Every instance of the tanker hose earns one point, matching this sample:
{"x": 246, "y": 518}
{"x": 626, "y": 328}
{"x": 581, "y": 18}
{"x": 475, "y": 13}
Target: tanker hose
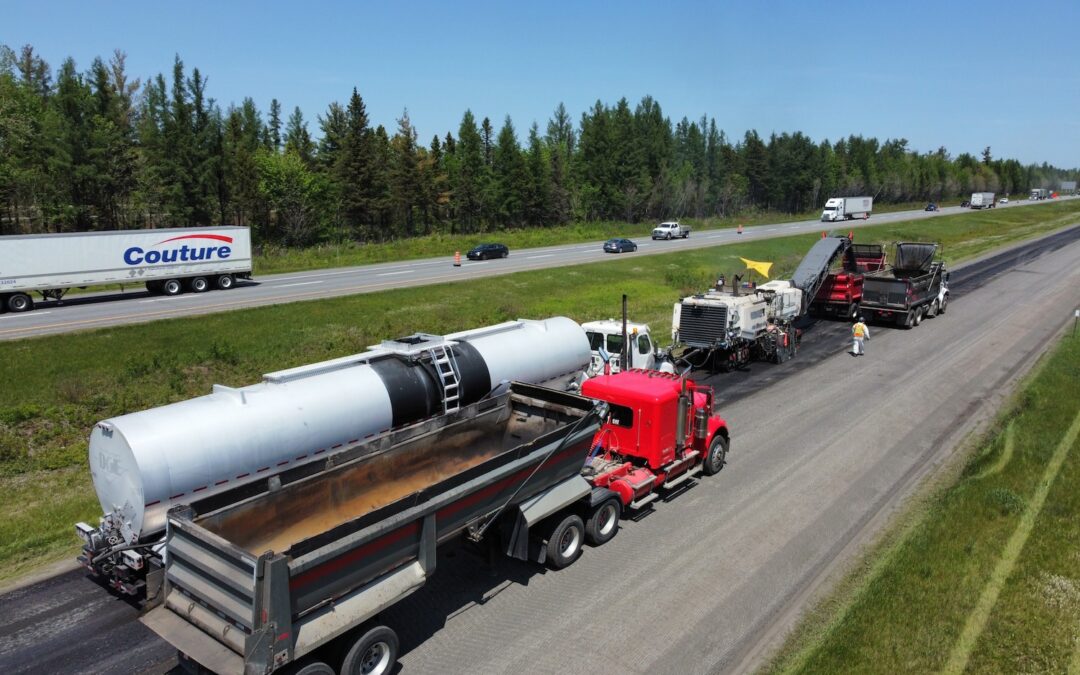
{"x": 117, "y": 549}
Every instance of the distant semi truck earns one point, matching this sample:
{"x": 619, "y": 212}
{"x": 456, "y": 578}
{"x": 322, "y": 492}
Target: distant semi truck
{"x": 846, "y": 208}
{"x": 1039, "y": 193}
{"x": 982, "y": 200}
{"x": 166, "y": 261}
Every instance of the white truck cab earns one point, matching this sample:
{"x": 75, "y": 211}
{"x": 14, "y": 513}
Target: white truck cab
{"x": 606, "y": 336}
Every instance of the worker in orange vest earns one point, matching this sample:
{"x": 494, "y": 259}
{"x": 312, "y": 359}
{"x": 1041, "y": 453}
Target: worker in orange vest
{"x": 859, "y": 333}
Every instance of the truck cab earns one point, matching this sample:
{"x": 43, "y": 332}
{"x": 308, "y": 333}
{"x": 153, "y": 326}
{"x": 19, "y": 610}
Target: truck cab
{"x": 606, "y": 338}
{"x": 660, "y": 431}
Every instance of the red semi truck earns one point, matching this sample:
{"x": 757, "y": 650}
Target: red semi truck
{"x": 295, "y": 576}
{"x": 841, "y": 292}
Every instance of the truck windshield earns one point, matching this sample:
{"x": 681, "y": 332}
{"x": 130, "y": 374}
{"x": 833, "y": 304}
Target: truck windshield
{"x": 830, "y": 208}
{"x": 596, "y": 340}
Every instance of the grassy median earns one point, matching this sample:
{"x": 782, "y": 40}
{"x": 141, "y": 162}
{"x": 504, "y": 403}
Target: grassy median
{"x": 56, "y": 388}
{"x": 985, "y": 575}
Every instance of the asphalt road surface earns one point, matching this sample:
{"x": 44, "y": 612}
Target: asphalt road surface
{"x": 823, "y": 448}
{"x": 136, "y": 306}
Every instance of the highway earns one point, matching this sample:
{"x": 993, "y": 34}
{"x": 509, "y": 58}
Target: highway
{"x": 825, "y": 447}
{"x": 100, "y": 310}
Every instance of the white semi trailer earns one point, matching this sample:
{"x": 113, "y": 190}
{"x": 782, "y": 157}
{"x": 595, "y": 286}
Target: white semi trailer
{"x": 167, "y": 261}
{"x": 982, "y": 200}
{"x": 846, "y": 208}
{"x": 221, "y": 448}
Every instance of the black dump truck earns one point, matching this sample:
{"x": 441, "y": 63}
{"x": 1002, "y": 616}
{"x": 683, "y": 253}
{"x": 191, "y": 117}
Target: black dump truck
{"x": 913, "y": 287}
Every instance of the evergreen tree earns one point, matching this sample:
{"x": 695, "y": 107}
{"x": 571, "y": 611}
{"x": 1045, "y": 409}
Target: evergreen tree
{"x": 273, "y": 127}
{"x": 355, "y": 170}
{"x": 468, "y": 176}
{"x": 298, "y": 140}
{"x": 511, "y": 181}
{"x": 406, "y": 189}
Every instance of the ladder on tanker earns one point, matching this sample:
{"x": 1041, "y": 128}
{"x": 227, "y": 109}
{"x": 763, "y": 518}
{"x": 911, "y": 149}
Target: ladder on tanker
{"x": 446, "y": 368}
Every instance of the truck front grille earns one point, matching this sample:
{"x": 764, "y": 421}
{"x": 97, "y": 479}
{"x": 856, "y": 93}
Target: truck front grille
{"x": 703, "y": 325}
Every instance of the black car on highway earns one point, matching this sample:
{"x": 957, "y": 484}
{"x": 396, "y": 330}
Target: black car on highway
{"x": 931, "y": 207}
{"x": 486, "y": 251}
{"x": 619, "y": 246}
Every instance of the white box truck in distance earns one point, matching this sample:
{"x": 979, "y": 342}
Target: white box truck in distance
{"x": 846, "y": 208}
{"x": 167, "y": 261}
{"x": 982, "y": 200}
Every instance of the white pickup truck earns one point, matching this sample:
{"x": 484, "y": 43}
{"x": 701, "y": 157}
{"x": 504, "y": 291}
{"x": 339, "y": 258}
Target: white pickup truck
{"x": 670, "y": 230}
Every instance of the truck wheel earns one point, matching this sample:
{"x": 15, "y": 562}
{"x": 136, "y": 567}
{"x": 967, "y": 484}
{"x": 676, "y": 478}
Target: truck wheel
{"x": 686, "y": 235}
{"x": 172, "y": 287}
{"x": 316, "y": 668}
{"x": 944, "y": 303}
{"x": 717, "y": 457}
{"x": 564, "y": 544}
{"x": 225, "y": 282}
{"x": 374, "y": 653}
{"x": 19, "y": 302}
{"x": 603, "y": 522}
{"x": 198, "y": 284}
{"x": 853, "y": 311}
{"x": 909, "y": 319}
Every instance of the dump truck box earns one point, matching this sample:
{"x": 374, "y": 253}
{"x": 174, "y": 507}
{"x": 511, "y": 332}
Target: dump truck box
{"x": 258, "y": 584}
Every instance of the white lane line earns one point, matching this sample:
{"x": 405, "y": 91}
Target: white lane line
{"x": 390, "y": 274}
{"x": 546, "y": 255}
{"x": 16, "y": 316}
{"x": 303, "y": 283}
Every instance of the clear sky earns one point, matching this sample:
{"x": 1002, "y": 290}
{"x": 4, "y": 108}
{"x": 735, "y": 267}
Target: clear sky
{"x": 960, "y": 74}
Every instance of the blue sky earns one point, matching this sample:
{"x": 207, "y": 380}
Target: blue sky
{"x": 960, "y": 74}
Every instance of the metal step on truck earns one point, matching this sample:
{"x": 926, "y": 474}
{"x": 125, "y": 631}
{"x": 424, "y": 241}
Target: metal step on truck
{"x": 913, "y": 287}
{"x": 295, "y": 576}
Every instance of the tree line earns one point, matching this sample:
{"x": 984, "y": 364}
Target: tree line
{"x": 99, "y": 150}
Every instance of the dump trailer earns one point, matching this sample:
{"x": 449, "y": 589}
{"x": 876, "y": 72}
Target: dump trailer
{"x": 225, "y": 444}
{"x": 295, "y": 575}
{"x": 166, "y": 261}
{"x": 268, "y": 581}
{"x": 840, "y": 294}
{"x": 913, "y": 287}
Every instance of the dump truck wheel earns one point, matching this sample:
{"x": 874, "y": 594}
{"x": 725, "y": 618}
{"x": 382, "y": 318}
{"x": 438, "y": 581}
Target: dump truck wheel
{"x": 944, "y": 303}
{"x": 564, "y": 544}
{"x": 603, "y": 522}
{"x": 316, "y": 668}
{"x": 374, "y": 653}
{"x": 717, "y": 457}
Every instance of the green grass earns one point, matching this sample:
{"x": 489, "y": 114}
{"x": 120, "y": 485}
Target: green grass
{"x": 983, "y": 575}
{"x": 56, "y": 388}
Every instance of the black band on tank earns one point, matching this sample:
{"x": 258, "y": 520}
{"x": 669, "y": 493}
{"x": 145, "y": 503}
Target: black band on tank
{"x": 412, "y": 392}
{"x": 416, "y": 392}
{"x": 473, "y": 371}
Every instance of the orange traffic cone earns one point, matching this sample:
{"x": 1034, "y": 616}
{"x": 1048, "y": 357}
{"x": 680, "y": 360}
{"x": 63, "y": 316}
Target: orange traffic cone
{"x": 740, "y": 228}
{"x": 851, "y": 235}
{"x": 822, "y": 235}
{"x": 457, "y": 258}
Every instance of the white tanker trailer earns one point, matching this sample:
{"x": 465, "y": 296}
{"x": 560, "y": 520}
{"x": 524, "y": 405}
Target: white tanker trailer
{"x": 234, "y": 443}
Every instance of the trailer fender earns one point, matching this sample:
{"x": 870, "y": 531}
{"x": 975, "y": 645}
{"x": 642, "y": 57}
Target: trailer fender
{"x": 536, "y": 509}
{"x": 600, "y": 495}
